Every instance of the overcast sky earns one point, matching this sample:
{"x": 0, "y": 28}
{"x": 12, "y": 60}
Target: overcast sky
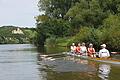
{"x": 18, "y": 12}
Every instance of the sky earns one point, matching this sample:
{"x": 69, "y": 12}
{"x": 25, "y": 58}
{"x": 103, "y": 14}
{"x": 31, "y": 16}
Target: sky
{"x": 18, "y": 12}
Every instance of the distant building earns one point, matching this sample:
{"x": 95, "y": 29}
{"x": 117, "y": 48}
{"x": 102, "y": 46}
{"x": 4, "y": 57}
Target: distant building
{"x": 17, "y": 31}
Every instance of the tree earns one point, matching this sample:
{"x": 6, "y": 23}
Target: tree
{"x": 56, "y": 8}
{"x": 86, "y": 13}
{"x": 111, "y": 32}
{"x": 82, "y": 20}
{"x": 53, "y": 22}
{"x": 110, "y": 6}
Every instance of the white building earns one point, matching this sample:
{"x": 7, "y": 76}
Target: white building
{"x": 17, "y": 31}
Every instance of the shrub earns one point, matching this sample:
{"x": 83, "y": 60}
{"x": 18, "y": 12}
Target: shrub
{"x": 51, "y": 42}
{"x": 111, "y": 33}
{"x": 87, "y": 35}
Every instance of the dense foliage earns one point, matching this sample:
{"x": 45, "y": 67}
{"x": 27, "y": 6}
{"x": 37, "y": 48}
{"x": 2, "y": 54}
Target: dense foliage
{"x": 90, "y": 21}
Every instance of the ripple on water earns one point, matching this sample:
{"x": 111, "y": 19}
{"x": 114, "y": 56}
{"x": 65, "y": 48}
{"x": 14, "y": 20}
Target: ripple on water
{"x": 61, "y": 65}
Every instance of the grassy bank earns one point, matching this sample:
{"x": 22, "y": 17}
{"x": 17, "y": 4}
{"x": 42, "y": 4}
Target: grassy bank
{"x": 63, "y": 42}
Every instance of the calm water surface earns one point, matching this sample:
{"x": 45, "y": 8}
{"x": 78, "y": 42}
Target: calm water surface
{"x": 24, "y": 62}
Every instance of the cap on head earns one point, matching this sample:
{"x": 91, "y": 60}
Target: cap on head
{"x": 83, "y": 44}
{"x": 90, "y": 44}
{"x": 103, "y": 45}
{"x": 73, "y": 44}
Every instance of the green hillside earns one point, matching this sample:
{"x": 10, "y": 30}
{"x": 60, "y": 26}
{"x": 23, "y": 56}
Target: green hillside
{"x": 7, "y": 35}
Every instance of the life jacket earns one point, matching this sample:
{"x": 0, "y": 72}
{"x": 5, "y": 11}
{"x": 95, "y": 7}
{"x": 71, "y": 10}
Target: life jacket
{"x": 78, "y": 49}
{"x": 91, "y": 50}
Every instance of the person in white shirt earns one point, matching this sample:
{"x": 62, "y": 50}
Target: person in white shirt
{"x": 73, "y": 48}
{"x": 83, "y": 49}
{"x": 104, "y": 53}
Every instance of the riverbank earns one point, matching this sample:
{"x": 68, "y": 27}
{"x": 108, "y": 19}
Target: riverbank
{"x": 97, "y": 36}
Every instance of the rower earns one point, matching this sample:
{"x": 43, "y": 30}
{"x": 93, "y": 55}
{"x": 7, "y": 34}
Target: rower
{"x": 73, "y": 48}
{"x": 91, "y": 51}
{"x": 78, "y": 49}
{"x": 83, "y": 50}
{"x": 104, "y": 53}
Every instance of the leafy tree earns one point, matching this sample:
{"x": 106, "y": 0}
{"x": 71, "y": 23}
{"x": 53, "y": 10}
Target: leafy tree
{"x": 86, "y": 13}
{"x": 110, "y": 6}
{"x": 56, "y": 8}
{"x": 95, "y": 21}
{"x": 111, "y": 32}
{"x": 53, "y": 21}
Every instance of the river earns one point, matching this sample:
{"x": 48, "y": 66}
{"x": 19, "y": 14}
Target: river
{"x": 24, "y": 62}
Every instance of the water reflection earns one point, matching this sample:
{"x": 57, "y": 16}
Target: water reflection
{"x": 51, "y": 50}
{"x": 18, "y": 62}
{"x": 59, "y": 67}
{"x": 45, "y": 58}
{"x": 23, "y": 62}
{"x": 104, "y": 70}
{"x": 68, "y": 67}
{"x": 76, "y": 60}
{"x": 67, "y": 64}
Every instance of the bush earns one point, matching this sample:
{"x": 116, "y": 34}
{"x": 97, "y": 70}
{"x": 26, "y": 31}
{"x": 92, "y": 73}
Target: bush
{"x": 87, "y": 35}
{"x": 51, "y": 42}
{"x": 110, "y": 33}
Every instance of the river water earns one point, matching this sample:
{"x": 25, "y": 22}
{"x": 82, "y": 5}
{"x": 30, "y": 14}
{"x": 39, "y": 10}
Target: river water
{"x": 24, "y": 62}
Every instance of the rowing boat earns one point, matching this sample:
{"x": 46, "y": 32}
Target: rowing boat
{"x": 105, "y": 60}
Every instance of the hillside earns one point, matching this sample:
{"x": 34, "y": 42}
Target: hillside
{"x": 16, "y": 35}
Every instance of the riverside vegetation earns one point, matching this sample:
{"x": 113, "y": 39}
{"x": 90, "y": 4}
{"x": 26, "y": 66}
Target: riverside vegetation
{"x": 89, "y": 21}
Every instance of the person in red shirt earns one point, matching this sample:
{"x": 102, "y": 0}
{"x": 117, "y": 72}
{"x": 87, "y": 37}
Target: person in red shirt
{"x": 91, "y": 51}
{"x": 78, "y": 49}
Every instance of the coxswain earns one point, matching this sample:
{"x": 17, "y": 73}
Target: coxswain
{"x": 104, "y": 53}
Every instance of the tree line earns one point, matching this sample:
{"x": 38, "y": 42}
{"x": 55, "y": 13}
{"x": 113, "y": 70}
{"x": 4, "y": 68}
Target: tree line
{"x": 90, "y": 21}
